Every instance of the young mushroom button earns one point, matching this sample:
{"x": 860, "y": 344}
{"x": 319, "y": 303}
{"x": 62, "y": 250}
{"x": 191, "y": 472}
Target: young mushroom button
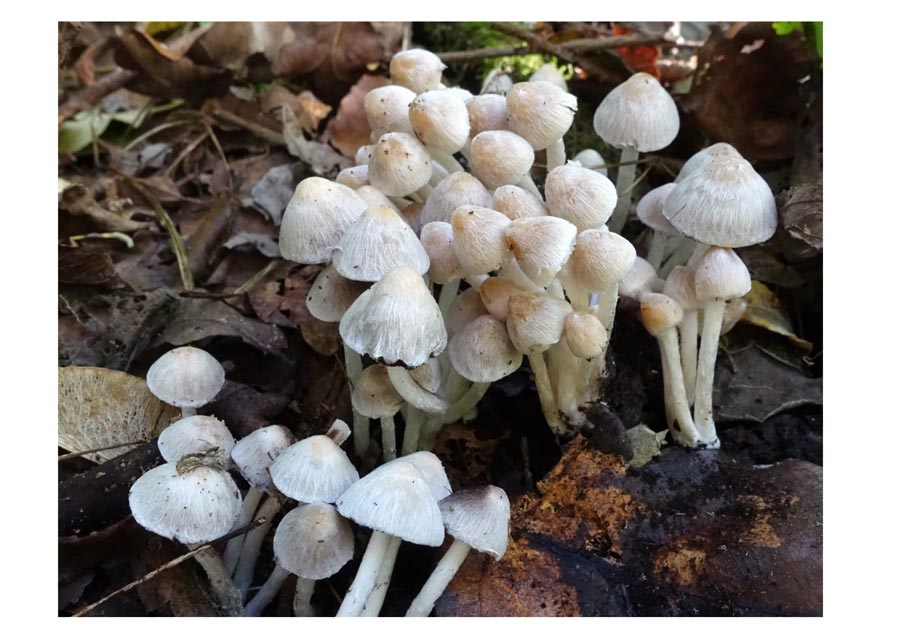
{"x": 186, "y": 377}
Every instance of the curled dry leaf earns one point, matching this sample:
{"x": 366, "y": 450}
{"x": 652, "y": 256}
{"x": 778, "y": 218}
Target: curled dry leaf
{"x": 78, "y": 200}
{"x": 765, "y": 310}
{"x": 801, "y": 210}
{"x": 349, "y": 129}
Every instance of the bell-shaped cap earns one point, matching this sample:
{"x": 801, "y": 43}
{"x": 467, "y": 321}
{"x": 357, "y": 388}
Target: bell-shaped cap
{"x": 549, "y": 73}
{"x": 432, "y": 470}
{"x": 581, "y": 196}
{"x": 186, "y": 377}
{"x": 540, "y": 112}
{"x": 650, "y": 210}
{"x": 429, "y": 375}
{"x": 354, "y": 176}
{"x": 364, "y": 154}
{"x": 374, "y": 197}
{"x": 255, "y": 453}
{"x": 395, "y": 499}
{"x": 487, "y": 112}
{"x": 721, "y": 274}
{"x": 638, "y": 113}
{"x": 479, "y": 238}
{"x": 536, "y": 321}
{"x": 680, "y": 287}
{"x": 478, "y": 517}
{"x": 591, "y": 159}
{"x": 195, "y": 506}
{"x": 702, "y": 157}
{"x": 440, "y": 120}
{"x": 638, "y": 280}
{"x": 482, "y": 351}
{"x": 495, "y": 293}
{"x": 500, "y": 157}
{"x": 196, "y": 434}
{"x": 456, "y": 190}
{"x": 417, "y": 69}
{"x": 379, "y": 241}
{"x": 313, "y": 470}
{"x": 515, "y": 202}
{"x": 313, "y": 541}
{"x": 400, "y": 164}
{"x": 374, "y": 396}
{"x": 437, "y": 238}
{"x": 724, "y": 203}
{"x": 396, "y": 321}
{"x": 660, "y": 313}
{"x": 600, "y": 259}
{"x": 316, "y": 217}
{"x": 542, "y": 245}
{"x": 387, "y": 109}
{"x": 331, "y": 295}
{"x": 338, "y": 432}
{"x": 585, "y": 335}
{"x": 465, "y": 308}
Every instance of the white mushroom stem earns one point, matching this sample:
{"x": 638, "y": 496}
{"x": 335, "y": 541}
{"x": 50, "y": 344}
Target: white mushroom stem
{"x": 233, "y": 548}
{"x": 303, "y": 597}
{"x": 680, "y": 257}
{"x": 353, "y": 362}
{"x": 607, "y": 300}
{"x": 243, "y": 575}
{"x": 528, "y": 184}
{"x": 448, "y": 295}
{"x": 624, "y": 180}
{"x": 445, "y": 161}
{"x": 388, "y": 438}
{"x": 410, "y": 390}
{"x": 227, "y": 596}
{"x": 267, "y": 592}
{"x": 688, "y": 333}
{"x": 678, "y": 412}
{"x": 511, "y": 269}
{"x": 556, "y": 155}
{"x": 414, "y": 421}
{"x": 657, "y": 249}
{"x": 443, "y": 573}
{"x": 545, "y": 391}
{"x": 713, "y": 313}
{"x": 376, "y": 598}
{"x": 579, "y": 297}
{"x": 469, "y": 400}
{"x": 366, "y": 575}
{"x": 568, "y": 380}
{"x": 438, "y": 173}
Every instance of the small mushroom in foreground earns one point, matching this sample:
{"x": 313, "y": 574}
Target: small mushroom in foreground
{"x": 186, "y": 377}
{"x": 196, "y": 434}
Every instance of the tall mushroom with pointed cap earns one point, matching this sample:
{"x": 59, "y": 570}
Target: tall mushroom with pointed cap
{"x": 541, "y": 245}
{"x": 387, "y": 110}
{"x": 186, "y": 377}
{"x": 637, "y": 116}
{"x": 441, "y": 121}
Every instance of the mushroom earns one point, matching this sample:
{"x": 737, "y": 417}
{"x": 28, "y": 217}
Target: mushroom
{"x": 498, "y": 158}
{"x": 387, "y": 110}
{"x": 581, "y": 196}
{"x": 375, "y": 397}
{"x": 680, "y": 287}
{"x": 441, "y": 121}
{"x": 650, "y": 212}
{"x": 542, "y": 112}
{"x": 196, "y": 434}
{"x": 515, "y": 202}
{"x": 417, "y": 69}
{"x": 400, "y": 166}
{"x": 186, "y": 377}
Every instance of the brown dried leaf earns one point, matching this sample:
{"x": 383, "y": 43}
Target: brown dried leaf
{"x": 245, "y": 409}
{"x": 86, "y": 267}
{"x": 349, "y": 129}
{"x": 801, "y": 212}
{"x": 78, "y": 200}
{"x": 765, "y": 310}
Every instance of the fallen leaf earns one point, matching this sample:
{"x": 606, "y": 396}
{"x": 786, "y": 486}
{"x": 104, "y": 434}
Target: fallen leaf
{"x": 245, "y": 408}
{"x": 86, "y": 267}
{"x": 801, "y": 210}
{"x": 639, "y": 58}
{"x": 644, "y": 444}
{"x": 321, "y": 158}
{"x": 78, "y": 200}
{"x": 766, "y": 311}
{"x": 765, "y": 267}
{"x": 274, "y": 190}
{"x": 349, "y": 128}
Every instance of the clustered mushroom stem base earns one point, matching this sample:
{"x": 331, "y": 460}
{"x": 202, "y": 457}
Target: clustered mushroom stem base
{"x": 366, "y": 575}
{"x": 227, "y": 596}
{"x": 253, "y": 542}
{"x": 376, "y": 598}
{"x": 688, "y": 334}
{"x": 267, "y": 592}
{"x": 443, "y": 573}
{"x": 624, "y": 180}
{"x": 545, "y": 391}
{"x": 388, "y": 438}
{"x": 678, "y": 412}
{"x": 303, "y": 597}
{"x": 233, "y": 548}
{"x": 713, "y": 313}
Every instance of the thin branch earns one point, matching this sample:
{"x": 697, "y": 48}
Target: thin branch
{"x": 88, "y": 96}
{"x": 542, "y": 44}
{"x": 258, "y": 130}
{"x": 97, "y": 450}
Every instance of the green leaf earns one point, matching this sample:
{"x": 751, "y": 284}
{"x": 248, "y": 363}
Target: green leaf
{"x": 784, "y": 28}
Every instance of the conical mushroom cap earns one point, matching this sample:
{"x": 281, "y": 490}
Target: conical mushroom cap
{"x": 500, "y": 157}
{"x": 591, "y": 159}
{"x": 374, "y": 197}
{"x": 318, "y": 214}
{"x": 417, "y": 69}
{"x": 428, "y": 375}
{"x": 186, "y": 377}
{"x": 197, "y": 506}
{"x": 638, "y": 113}
{"x": 478, "y": 517}
{"x": 195, "y": 434}
{"x": 600, "y": 259}
{"x": 680, "y": 286}
{"x": 540, "y": 112}
{"x": 332, "y": 294}
{"x": 581, "y": 196}
{"x": 487, "y": 112}
{"x": 495, "y": 293}
{"x": 482, "y": 351}
{"x": 313, "y": 470}
{"x": 721, "y": 274}
{"x": 400, "y": 164}
{"x": 374, "y": 396}
{"x": 432, "y": 470}
{"x": 397, "y": 500}
{"x": 440, "y": 120}
{"x": 650, "y": 209}
{"x": 479, "y": 238}
{"x": 396, "y": 320}
{"x": 354, "y": 176}
{"x": 380, "y": 240}
{"x": 638, "y": 280}
{"x": 437, "y": 238}
{"x": 387, "y": 109}
{"x": 585, "y": 335}
{"x": 536, "y": 321}
{"x": 702, "y": 157}
{"x": 465, "y": 308}
{"x": 542, "y": 245}
{"x": 313, "y": 541}
{"x": 515, "y": 202}
{"x": 456, "y": 190}
{"x": 660, "y": 313}
{"x": 549, "y": 73}
{"x": 255, "y": 453}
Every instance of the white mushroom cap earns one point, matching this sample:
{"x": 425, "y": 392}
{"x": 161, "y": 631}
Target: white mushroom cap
{"x": 482, "y": 351}
{"x": 354, "y": 177}
{"x": 387, "y": 109}
{"x": 313, "y": 470}
{"x": 437, "y": 238}
{"x": 724, "y": 203}
{"x": 702, "y": 157}
{"x": 400, "y": 164}
{"x": 417, "y": 69}
{"x": 196, "y": 506}
{"x": 195, "y": 434}
{"x": 638, "y": 113}
{"x": 479, "y": 238}
{"x": 455, "y": 190}
{"x": 315, "y": 219}
{"x": 542, "y": 245}
{"x": 585, "y": 335}
{"x": 396, "y": 320}
{"x": 660, "y": 313}
{"x": 583, "y": 197}
{"x": 432, "y": 470}
{"x": 515, "y": 202}
{"x": 380, "y": 240}
{"x": 374, "y": 197}
{"x": 721, "y": 274}
{"x": 540, "y": 112}
{"x": 374, "y": 396}
{"x": 681, "y": 288}
{"x": 638, "y": 280}
{"x": 478, "y": 517}
{"x": 331, "y": 295}
{"x": 395, "y": 499}
{"x": 500, "y": 157}
{"x": 440, "y": 120}
{"x": 255, "y": 453}
{"x": 338, "y": 432}
{"x": 650, "y": 210}
{"x": 549, "y": 73}
{"x": 429, "y": 375}
{"x": 495, "y": 293}
{"x": 536, "y": 321}
{"x": 313, "y": 541}
{"x": 486, "y": 113}
{"x": 463, "y": 94}
{"x": 600, "y": 259}
{"x": 589, "y": 159}
{"x": 465, "y": 308}
{"x": 186, "y": 377}
{"x": 364, "y": 154}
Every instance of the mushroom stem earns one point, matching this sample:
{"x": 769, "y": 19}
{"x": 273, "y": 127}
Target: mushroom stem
{"x": 528, "y": 184}
{"x": 513, "y": 271}
{"x": 713, "y": 313}
{"x": 680, "y": 257}
{"x": 353, "y": 362}
{"x": 227, "y": 596}
{"x": 446, "y": 161}
{"x": 233, "y": 548}
{"x": 688, "y": 334}
{"x": 243, "y": 575}
{"x": 443, "y": 573}
{"x": 388, "y": 438}
{"x": 678, "y": 412}
{"x": 624, "y": 180}
{"x": 187, "y": 411}
{"x": 376, "y": 598}
{"x": 568, "y": 374}
{"x": 607, "y": 300}
{"x": 556, "y": 154}
{"x": 267, "y": 592}
{"x": 657, "y": 249}
{"x": 448, "y": 295}
{"x": 303, "y": 597}
{"x": 545, "y": 391}
{"x": 366, "y": 575}
{"x": 410, "y": 390}
{"x": 414, "y": 420}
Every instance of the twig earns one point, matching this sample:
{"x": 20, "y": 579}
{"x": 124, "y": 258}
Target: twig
{"x": 220, "y": 150}
{"x": 97, "y": 450}
{"x": 258, "y": 130}
{"x": 257, "y": 278}
{"x": 541, "y": 44}
{"x": 89, "y": 95}
{"x": 154, "y": 131}
{"x": 185, "y": 152}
